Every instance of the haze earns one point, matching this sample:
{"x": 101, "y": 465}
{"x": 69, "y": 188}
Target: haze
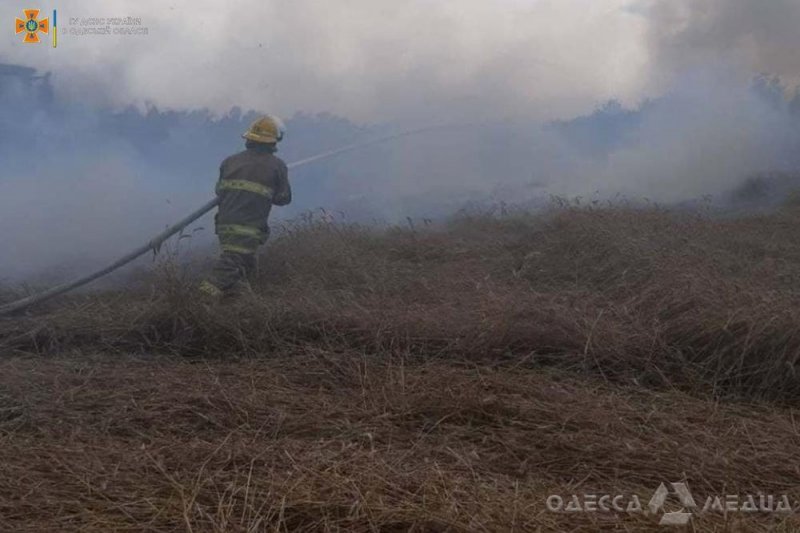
{"x": 126, "y": 132}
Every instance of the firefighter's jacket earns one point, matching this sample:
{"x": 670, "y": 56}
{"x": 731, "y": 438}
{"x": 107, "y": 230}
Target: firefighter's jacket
{"x": 250, "y": 182}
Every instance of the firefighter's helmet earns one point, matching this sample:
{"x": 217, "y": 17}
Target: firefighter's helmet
{"x": 268, "y": 129}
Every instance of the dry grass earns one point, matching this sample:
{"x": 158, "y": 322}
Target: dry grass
{"x": 418, "y": 378}
{"x": 321, "y": 441}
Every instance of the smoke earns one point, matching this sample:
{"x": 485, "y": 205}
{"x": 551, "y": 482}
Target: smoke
{"x": 703, "y": 138}
{"x": 83, "y": 184}
{"x": 72, "y": 197}
{"x": 368, "y": 61}
{"x": 744, "y": 36}
{"x": 727, "y": 73}
{"x": 668, "y": 100}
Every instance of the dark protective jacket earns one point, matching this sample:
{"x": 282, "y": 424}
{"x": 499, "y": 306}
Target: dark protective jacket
{"x": 250, "y": 182}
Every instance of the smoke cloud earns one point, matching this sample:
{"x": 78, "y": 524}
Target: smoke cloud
{"x": 105, "y": 140}
{"x": 746, "y": 37}
{"x": 412, "y": 61}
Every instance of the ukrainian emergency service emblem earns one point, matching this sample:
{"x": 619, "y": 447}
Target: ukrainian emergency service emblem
{"x": 31, "y": 26}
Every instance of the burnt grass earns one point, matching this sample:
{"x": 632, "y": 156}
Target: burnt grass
{"x": 427, "y": 377}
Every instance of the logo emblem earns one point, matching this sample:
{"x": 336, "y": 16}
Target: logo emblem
{"x": 680, "y": 518}
{"x": 31, "y": 26}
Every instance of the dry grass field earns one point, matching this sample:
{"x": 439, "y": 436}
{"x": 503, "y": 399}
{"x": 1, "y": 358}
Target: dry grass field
{"x": 419, "y": 378}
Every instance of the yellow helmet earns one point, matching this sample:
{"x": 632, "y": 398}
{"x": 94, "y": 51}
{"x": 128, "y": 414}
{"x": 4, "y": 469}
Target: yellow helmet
{"x": 268, "y": 129}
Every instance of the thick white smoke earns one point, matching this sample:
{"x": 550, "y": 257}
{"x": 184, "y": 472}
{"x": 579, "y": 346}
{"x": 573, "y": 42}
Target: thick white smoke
{"x": 84, "y": 178}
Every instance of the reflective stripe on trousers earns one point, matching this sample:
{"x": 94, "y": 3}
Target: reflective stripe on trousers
{"x": 210, "y": 289}
{"x": 239, "y": 249}
{"x": 239, "y": 239}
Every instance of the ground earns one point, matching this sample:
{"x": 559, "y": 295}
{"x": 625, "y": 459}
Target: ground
{"x": 432, "y": 377}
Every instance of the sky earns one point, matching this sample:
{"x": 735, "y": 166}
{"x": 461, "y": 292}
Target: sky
{"x": 112, "y": 137}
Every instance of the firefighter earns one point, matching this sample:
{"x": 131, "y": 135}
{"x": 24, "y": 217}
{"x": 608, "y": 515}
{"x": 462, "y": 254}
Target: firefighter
{"x": 250, "y": 183}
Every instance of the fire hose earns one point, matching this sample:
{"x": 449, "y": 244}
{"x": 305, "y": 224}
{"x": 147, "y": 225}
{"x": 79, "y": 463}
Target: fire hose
{"x": 156, "y": 242}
